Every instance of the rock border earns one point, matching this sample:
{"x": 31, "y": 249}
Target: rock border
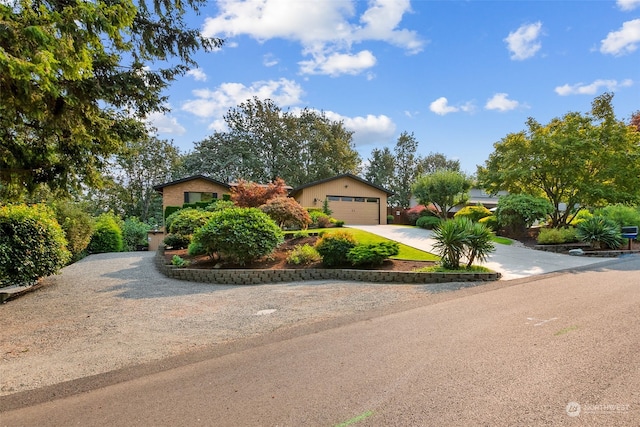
{"x": 258, "y": 277}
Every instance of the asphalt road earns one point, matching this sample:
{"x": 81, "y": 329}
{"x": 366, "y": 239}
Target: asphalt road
{"x": 560, "y": 349}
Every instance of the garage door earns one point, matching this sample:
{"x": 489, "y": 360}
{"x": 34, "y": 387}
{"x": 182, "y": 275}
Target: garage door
{"x": 355, "y": 210}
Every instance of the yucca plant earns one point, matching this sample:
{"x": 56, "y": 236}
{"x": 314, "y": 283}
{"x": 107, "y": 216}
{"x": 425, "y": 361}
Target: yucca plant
{"x": 599, "y": 231}
{"x": 451, "y": 238}
{"x": 479, "y": 242}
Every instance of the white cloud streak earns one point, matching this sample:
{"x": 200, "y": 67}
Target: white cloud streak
{"x": 623, "y": 41}
{"x": 592, "y": 88}
{"x": 441, "y": 107}
{"x": 524, "y": 42}
{"x": 326, "y": 30}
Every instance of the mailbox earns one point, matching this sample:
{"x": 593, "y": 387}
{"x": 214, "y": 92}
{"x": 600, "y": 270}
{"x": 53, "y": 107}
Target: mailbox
{"x": 629, "y": 232}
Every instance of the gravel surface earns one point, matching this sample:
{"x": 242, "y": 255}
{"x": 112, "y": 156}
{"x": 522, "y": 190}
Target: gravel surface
{"x": 111, "y": 311}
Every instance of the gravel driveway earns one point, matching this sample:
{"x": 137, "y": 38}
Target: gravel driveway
{"x": 111, "y": 311}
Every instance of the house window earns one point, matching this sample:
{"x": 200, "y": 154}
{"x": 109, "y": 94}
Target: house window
{"x": 193, "y": 197}
{"x": 333, "y": 198}
{"x": 347, "y": 199}
{"x": 372, "y": 200}
{"x": 358, "y": 199}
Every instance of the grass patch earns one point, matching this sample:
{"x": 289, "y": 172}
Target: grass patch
{"x": 502, "y": 240}
{"x": 407, "y": 253}
{"x": 441, "y": 269}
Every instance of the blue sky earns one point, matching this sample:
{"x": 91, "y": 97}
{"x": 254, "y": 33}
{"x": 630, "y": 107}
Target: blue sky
{"x": 459, "y": 75}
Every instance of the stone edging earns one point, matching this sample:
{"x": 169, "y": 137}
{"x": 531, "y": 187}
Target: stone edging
{"x": 256, "y": 277}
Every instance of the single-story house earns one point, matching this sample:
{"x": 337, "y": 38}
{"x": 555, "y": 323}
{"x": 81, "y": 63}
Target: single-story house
{"x": 197, "y": 188}
{"x": 350, "y": 199}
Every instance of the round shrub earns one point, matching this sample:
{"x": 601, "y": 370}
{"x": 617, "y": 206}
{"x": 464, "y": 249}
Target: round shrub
{"x": 241, "y": 234}
{"x": 334, "y": 247}
{"x": 303, "y": 255}
{"x": 134, "y": 233}
{"x": 429, "y": 222}
{"x": 176, "y": 241}
{"x": 186, "y": 221}
{"x": 107, "y": 235}
{"x": 491, "y": 222}
{"x": 621, "y": 214}
{"x": 77, "y": 226}
{"x": 319, "y": 219}
{"x": 32, "y": 244}
{"x": 286, "y": 212}
{"x": 474, "y": 213}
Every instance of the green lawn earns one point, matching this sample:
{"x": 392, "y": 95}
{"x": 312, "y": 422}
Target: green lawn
{"x": 406, "y": 252}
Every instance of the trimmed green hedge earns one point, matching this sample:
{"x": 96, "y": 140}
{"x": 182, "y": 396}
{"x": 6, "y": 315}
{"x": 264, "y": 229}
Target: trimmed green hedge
{"x": 32, "y": 244}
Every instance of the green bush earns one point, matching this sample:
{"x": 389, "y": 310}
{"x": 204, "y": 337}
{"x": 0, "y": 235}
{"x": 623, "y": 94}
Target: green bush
{"x": 319, "y": 219}
{"x": 429, "y": 222}
{"x": 337, "y": 222}
{"x": 520, "y": 211}
{"x": 107, "y": 235}
{"x": 491, "y": 222}
{"x": 334, "y": 247}
{"x": 474, "y": 213}
{"x": 581, "y": 216}
{"x": 303, "y": 255}
{"x": 32, "y": 244}
{"x": 242, "y": 234}
{"x": 599, "y": 231}
{"x": 77, "y": 226}
{"x": 372, "y": 253}
{"x": 556, "y": 236}
{"x": 176, "y": 241}
{"x": 186, "y": 221}
{"x": 178, "y": 261}
{"x": 196, "y": 249}
{"x": 134, "y": 233}
{"x": 621, "y": 214}
{"x": 219, "y": 204}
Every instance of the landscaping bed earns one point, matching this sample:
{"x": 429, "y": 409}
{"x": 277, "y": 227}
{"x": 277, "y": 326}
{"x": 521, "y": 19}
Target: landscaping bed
{"x": 278, "y": 260}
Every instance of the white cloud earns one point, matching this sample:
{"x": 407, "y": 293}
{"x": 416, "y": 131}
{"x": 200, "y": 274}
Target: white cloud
{"x": 501, "y": 102}
{"x": 165, "y": 124}
{"x": 215, "y": 103}
{"x": 198, "y": 74}
{"x": 592, "y": 88}
{"x": 441, "y": 107}
{"x": 523, "y": 43}
{"x": 623, "y": 41}
{"x": 366, "y": 130}
{"x": 326, "y": 30}
{"x": 627, "y": 5}
{"x": 338, "y": 63}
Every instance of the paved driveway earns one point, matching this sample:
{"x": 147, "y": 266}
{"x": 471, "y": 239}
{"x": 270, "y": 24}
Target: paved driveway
{"x": 513, "y": 261}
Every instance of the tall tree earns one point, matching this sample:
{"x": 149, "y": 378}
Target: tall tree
{"x": 264, "y": 143}
{"x": 406, "y": 170}
{"x": 142, "y": 165}
{"x": 635, "y": 121}
{"x": 444, "y": 188}
{"x": 75, "y": 78}
{"x": 382, "y": 168}
{"x": 435, "y": 162}
{"x": 574, "y": 161}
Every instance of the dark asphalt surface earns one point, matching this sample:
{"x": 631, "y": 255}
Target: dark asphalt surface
{"x": 560, "y": 349}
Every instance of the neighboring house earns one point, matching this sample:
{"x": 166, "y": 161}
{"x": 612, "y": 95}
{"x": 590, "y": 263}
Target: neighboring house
{"x": 350, "y": 198}
{"x": 198, "y": 188}
{"x": 477, "y": 196}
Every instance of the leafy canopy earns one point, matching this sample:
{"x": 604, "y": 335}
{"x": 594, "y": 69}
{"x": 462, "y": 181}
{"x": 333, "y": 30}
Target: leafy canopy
{"x": 445, "y": 189}
{"x": 76, "y": 78}
{"x": 574, "y": 161}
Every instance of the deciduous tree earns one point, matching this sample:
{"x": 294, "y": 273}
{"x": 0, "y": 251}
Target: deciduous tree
{"x": 574, "y": 161}
{"x": 445, "y": 189}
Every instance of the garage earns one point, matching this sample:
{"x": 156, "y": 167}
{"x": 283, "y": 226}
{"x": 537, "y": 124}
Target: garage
{"x": 355, "y": 210}
{"x": 350, "y": 199}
